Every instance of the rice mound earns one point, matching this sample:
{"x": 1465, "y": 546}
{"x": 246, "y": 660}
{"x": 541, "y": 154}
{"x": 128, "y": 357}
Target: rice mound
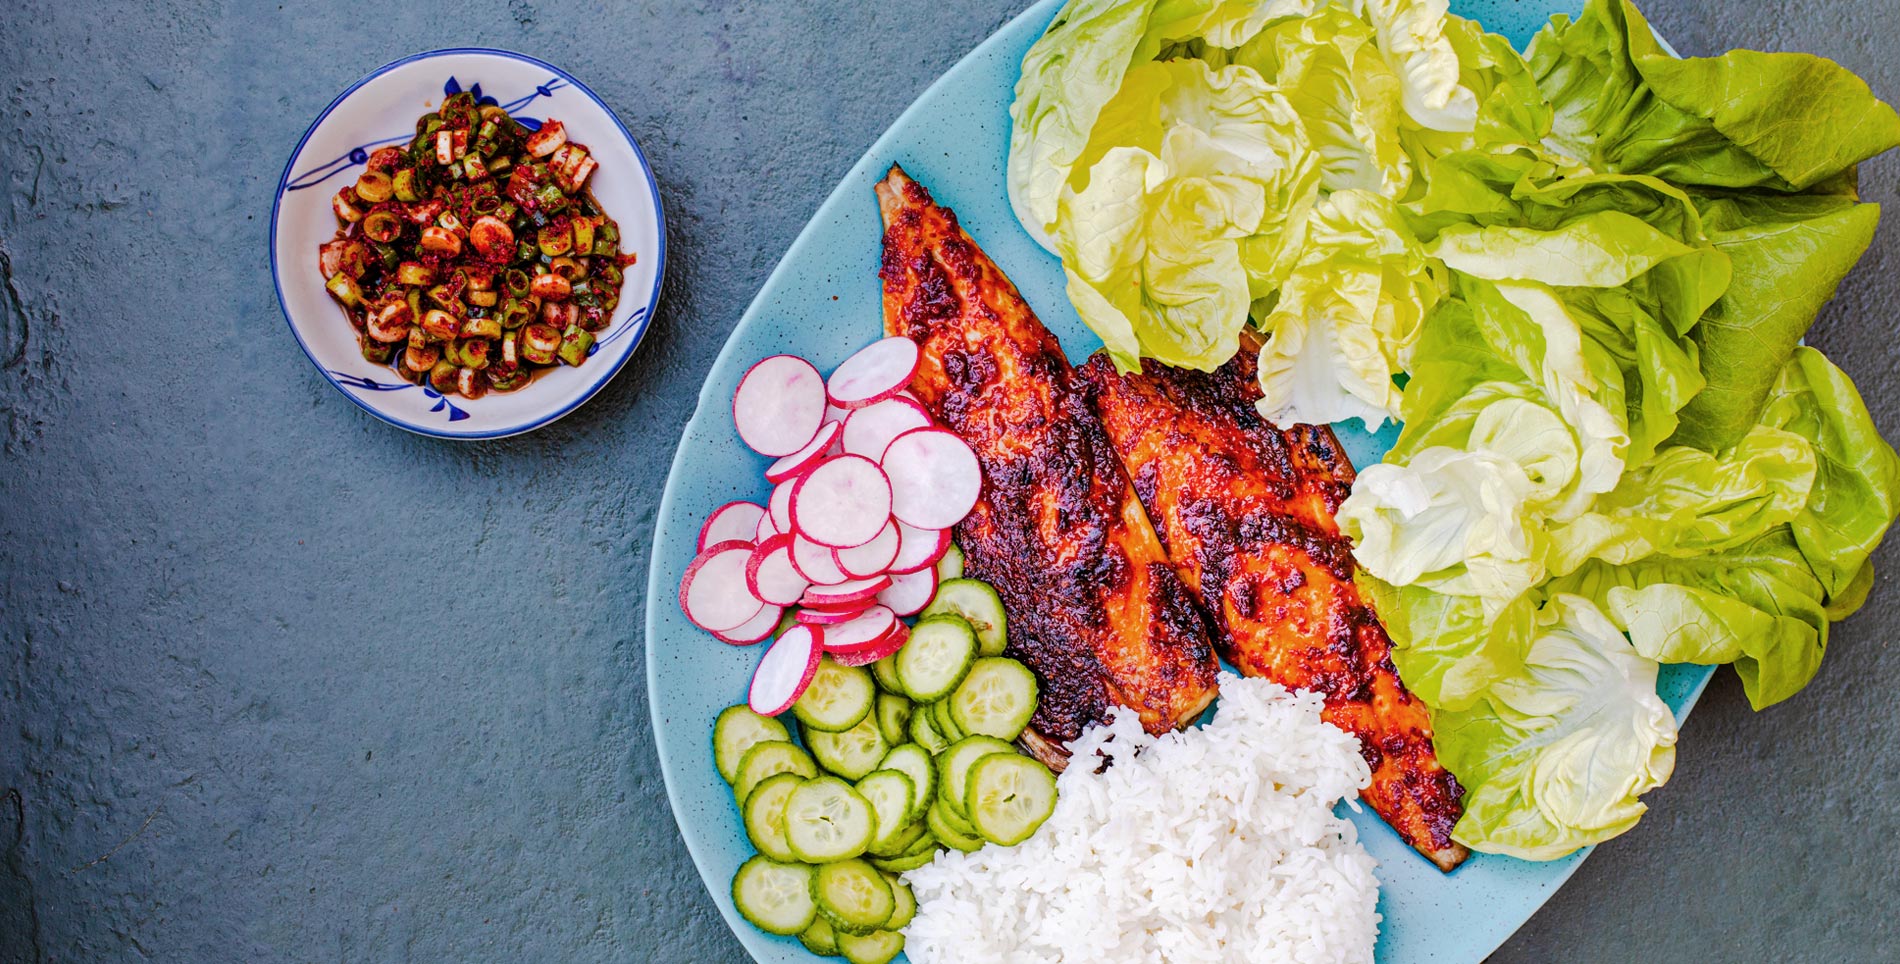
{"x": 1215, "y": 844}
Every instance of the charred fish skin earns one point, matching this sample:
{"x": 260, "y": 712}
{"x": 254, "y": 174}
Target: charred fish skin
{"x": 1095, "y": 608}
{"x": 1246, "y": 511}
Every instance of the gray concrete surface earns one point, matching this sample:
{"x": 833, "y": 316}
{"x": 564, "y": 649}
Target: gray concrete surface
{"x": 278, "y": 682}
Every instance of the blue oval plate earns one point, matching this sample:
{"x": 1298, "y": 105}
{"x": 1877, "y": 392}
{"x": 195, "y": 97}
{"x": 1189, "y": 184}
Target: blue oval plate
{"x": 822, "y": 302}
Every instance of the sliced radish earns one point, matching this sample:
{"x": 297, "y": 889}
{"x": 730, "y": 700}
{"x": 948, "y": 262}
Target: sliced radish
{"x": 795, "y": 464}
{"x": 869, "y": 630}
{"x": 734, "y": 520}
{"x": 872, "y": 558}
{"x": 767, "y": 528}
{"x": 816, "y": 563}
{"x": 856, "y": 594}
{"x": 780, "y": 505}
{"x": 869, "y": 430}
{"x": 713, "y": 592}
{"x": 757, "y": 629}
{"x": 779, "y": 405}
{"x": 770, "y": 575}
{"x": 935, "y": 479}
{"x": 910, "y": 592}
{"x": 891, "y": 644}
{"x": 878, "y": 371}
{"x": 827, "y": 617}
{"x": 843, "y": 502}
{"x": 785, "y": 670}
{"x": 918, "y": 549}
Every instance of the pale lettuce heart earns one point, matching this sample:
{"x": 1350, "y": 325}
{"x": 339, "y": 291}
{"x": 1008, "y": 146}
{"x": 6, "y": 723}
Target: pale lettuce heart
{"x": 1450, "y": 520}
{"x": 1347, "y": 317}
{"x": 1412, "y": 37}
{"x": 1556, "y": 756}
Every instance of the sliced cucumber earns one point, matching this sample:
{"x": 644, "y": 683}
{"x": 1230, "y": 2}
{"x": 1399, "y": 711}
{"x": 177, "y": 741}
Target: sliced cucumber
{"x": 945, "y": 721}
{"x": 825, "y": 819}
{"x": 900, "y": 844}
{"x": 914, "y": 761}
{"x": 939, "y": 652}
{"x": 947, "y": 834}
{"x": 737, "y": 730}
{"x": 884, "y": 671}
{"x": 978, "y": 603}
{"x": 923, "y": 732}
{"x": 852, "y": 896}
{"x": 819, "y": 938}
{"x": 950, "y": 565}
{"x": 924, "y": 845}
{"x": 889, "y": 793}
{"x": 893, "y": 717}
{"x": 906, "y": 862}
{"x": 776, "y": 897}
{"x": 850, "y": 754}
{"x": 1009, "y": 797}
{"x": 837, "y": 698}
{"x": 953, "y": 767}
{"x": 996, "y": 698}
{"x": 877, "y": 947}
{"x": 906, "y": 903}
{"x": 764, "y": 813}
{"x": 955, "y": 821}
{"x": 769, "y": 759}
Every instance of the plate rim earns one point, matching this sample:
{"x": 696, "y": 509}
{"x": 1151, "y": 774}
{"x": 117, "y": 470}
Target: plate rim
{"x": 642, "y": 321}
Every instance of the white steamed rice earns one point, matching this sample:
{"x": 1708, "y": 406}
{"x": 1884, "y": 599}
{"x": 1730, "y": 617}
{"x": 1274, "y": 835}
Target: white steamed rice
{"x": 1216, "y": 844}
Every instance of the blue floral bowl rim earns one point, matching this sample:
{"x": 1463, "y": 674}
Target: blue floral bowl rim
{"x": 641, "y": 320}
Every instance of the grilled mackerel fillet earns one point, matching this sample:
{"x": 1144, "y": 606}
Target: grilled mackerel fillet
{"x": 1095, "y": 609}
{"x": 1246, "y": 511}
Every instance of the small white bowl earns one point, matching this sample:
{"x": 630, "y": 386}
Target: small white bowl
{"x": 382, "y": 109}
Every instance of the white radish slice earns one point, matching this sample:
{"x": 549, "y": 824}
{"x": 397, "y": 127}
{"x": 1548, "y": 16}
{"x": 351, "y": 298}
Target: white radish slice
{"x": 918, "y": 548}
{"x": 816, "y": 563}
{"x": 795, "y": 464}
{"x": 841, "y": 503}
{"x": 734, "y": 520}
{"x": 780, "y": 505}
{"x": 767, "y": 528}
{"x": 779, "y": 405}
{"x": 910, "y": 592}
{"x": 785, "y": 670}
{"x": 713, "y": 592}
{"x": 869, "y": 431}
{"x": 756, "y": 630}
{"x": 856, "y": 594}
{"x": 935, "y": 479}
{"x": 891, "y": 644}
{"x": 770, "y": 573}
{"x": 879, "y": 370}
{"x": 825, "y": 617}
{"x": 869, "y": 630}
{"x": 872, "y": 558}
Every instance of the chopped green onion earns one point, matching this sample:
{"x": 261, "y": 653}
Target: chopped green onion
{"x": 567, "y": 268}
{"x": 515, "y": 281}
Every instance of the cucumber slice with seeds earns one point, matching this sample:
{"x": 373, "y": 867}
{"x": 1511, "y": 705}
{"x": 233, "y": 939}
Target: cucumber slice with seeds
{"x": 1009, "y": 797}
{"x": 825, "y": 819}
{"x": 914, "y": 761}
{"x": 852, "y": 896}
{"x": 953, "y": 769}
{"x": 776, "y": 897}
{"x": 996, "y": 698}
{"x": 893, "y": 717}
{"x": 769, "y": 759}
{"x": 947, "y": 834}
{"x": 819, "y": 938}
{"x": 950, "y": 564}
{"x": 939, "y": 652}
{"x": 850, "y": 754}
{"x": 837, "y": 697}
{"x": 764, "y": 813}
{"x": 737, "y": 730}
{"x": 889, "y": 793}
{"x": 978, "y": 603}
{"x": 877, "y": 947}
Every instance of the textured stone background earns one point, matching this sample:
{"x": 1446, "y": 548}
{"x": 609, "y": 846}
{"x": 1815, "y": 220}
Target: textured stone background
{"x": 278, "y": 682}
